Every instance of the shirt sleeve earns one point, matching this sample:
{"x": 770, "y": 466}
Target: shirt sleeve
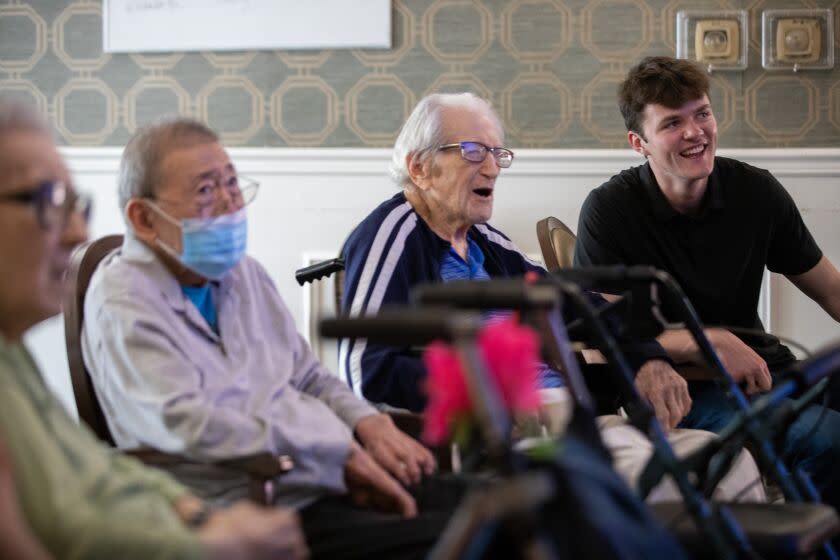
{"x": 793, "y": 249}
{"x": 311, "y": 377}
{"x": 595, "y": 244}
{"x": 375, "y": 278}
{"x": 73, "y": 522}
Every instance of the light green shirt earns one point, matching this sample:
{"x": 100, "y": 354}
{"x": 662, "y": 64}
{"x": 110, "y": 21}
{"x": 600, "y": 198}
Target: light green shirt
{"x": 82, "y": 499}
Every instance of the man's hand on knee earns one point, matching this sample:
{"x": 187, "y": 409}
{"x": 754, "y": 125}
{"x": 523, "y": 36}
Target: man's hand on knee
{"x": 741, "y": 361}
{"x": 371, "y": 486}
{"x": 665, "y": 390}
{"x": 404, "y": 457}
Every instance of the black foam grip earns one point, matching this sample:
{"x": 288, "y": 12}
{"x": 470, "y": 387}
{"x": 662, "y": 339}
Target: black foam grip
{"x": 606, "y": 278}
{"x": 404, "y": 326}
{"x": 486, "y": 294}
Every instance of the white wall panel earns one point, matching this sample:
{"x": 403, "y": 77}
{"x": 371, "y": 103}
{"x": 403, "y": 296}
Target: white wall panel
{"x": 311, "y": 199}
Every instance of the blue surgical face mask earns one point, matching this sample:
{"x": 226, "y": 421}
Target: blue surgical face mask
{"x": 210, "y": 247}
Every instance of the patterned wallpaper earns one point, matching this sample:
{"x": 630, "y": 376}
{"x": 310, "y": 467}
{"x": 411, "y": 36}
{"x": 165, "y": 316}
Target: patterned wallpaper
{"x": 549, "y": 66}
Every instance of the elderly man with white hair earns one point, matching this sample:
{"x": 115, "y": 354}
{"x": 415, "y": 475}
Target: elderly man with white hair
{"x": 192, "y": 350}
{"x": 446, "y": 161}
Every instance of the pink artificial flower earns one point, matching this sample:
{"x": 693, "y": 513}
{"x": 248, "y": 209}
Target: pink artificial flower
{"x": 447, "y": 390}
{"x": 510, "y": 352}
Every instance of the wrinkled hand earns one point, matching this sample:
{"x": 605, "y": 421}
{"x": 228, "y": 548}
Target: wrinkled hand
{"x": 741, "y": 361}
{"x": 665, "y": 390}
{"x": 402, "y": 456}
{"x": 248, "y": 532}
{"x": 371, "y": 486}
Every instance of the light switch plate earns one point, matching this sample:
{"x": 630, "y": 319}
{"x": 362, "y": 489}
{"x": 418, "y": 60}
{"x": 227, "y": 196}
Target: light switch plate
{"x": 716, "y": 39}
{"x": 797, "y": 39}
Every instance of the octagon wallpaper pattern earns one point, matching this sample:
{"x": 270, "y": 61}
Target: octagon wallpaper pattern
{"x": 550, "y": 67}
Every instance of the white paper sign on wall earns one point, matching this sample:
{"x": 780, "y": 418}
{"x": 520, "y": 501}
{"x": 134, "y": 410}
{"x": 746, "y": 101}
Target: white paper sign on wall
{"x": 224, "y": 25}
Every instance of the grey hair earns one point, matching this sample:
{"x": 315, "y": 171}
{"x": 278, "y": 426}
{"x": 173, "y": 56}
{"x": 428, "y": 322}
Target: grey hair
{"x": 139, "y": 171}
{"x": 423, "y": 131}
{"x": 17, "y": 115}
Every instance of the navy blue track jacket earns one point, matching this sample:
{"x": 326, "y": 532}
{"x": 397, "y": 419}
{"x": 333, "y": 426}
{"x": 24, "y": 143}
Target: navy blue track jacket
{"x": 389, "y": 253}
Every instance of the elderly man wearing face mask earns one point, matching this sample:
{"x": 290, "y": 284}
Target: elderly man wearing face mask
{"x": 192, "y": 351}
{"x": 78, "y": 498}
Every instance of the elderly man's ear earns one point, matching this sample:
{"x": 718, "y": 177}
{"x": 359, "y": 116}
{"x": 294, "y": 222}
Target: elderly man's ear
{"x": 139, "y": 218}
{"x": 419, "y": 170}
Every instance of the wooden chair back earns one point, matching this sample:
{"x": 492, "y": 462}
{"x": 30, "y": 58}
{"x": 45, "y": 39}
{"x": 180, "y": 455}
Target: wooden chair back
{"x": 83, "y": 263}
{"x": 557, "y": 243}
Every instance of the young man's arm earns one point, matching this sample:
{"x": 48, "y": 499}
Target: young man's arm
{"x": 597, "y": 244}
{"x": 740, "y": 360}
{"x": 821, "y": 284}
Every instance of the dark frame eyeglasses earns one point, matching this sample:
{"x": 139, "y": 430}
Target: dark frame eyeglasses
{"x": 53, "y": 202}
{"x": 476, "y": 152}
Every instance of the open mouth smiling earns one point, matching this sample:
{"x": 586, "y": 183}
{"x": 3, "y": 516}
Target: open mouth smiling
{"x": 696, "y": 151}
{"x": 484, "y": 192}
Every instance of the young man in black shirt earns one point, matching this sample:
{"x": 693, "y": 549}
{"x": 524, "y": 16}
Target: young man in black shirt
{"x": 714, "y": 224}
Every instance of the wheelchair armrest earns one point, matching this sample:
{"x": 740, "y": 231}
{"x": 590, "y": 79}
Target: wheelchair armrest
{"x": 319, "y": 270}
{"x": 260, "y": 465}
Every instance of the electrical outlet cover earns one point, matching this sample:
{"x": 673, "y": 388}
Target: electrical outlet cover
{"x": 797, "y": 39}
{"x": 715, "y": 38}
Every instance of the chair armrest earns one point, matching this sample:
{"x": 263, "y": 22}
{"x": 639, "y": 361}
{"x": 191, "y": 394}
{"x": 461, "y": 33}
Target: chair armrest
{"x": 260, "y": 465}
{"x": 155, "y": 458}
{"x": 261, "y": 469}
{"x": 691, "y": 372}
{"x": 409, "y": 422}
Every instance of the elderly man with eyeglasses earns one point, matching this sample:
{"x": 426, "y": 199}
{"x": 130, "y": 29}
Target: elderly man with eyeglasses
{"x": 78, "y": 498}
{"x": 192, "y": 351}
{"x": 446, "y": 161}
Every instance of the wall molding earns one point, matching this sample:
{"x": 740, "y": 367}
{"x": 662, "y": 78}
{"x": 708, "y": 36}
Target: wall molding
{"x": 789, "y": 162}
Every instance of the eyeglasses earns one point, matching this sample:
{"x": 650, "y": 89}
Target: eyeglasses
{"x": 54, "y": 202}
{"x": 476, "y": 152}
{"x": 239, "y": 190}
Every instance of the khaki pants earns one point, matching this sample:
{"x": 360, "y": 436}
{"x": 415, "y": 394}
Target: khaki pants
{"x": 631, "y": 450}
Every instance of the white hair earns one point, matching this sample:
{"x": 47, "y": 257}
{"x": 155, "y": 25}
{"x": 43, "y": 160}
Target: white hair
{"x": 423, "y": 131}
{"x": 19, "y": 116}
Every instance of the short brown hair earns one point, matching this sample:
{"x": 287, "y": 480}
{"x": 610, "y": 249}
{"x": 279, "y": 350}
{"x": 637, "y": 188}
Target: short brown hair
{"x": 662, "y": 80}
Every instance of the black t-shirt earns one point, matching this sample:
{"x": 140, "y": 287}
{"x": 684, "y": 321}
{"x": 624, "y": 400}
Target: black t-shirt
{"x": 747, "y": 221}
